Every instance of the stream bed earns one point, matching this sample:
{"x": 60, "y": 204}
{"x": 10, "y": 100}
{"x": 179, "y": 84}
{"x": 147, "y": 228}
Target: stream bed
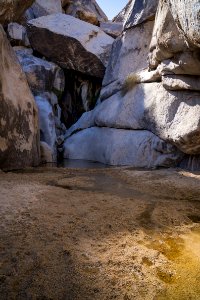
{"x": 100, "y": 233}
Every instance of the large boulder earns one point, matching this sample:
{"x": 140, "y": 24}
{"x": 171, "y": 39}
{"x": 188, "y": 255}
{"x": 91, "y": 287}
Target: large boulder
{"x": 42, "y": 75}
{"x": 113, "y": 29}
{"x": 42, "y": 8}
{"x": 141, "y": 11}
{"x": 12, "y": 10}
{"x": 85, "y": 10}
{"x": 159, "y": 96}
{"x": 121, "y": 147}
{"x": 129, "y": 55}
{"x": 73, "y": 44}
{"x": 19, "y": 134}
{"x": 173, "y": 116}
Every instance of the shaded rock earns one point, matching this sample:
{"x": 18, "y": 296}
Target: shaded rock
{"x": 121, "y": 147}
{"x": 47, "y": 82}
{"x": 41, "y": 75}
{"x": 85, "y": 10}
{"x": 17, "y": 35}
{"x": 12, "y": 10}
{"x": 129, "y": 55}
{"x": 190, "y": 162}
{"x": 47, "y": 123}
{"x": 71, "y": 43}
{"x": 46, "y": 154}
{"x": 181, "y": 82}
{"x": 19, "y": 138}
{"x": 141, "y": 11}
{"x": 111, "y": 28}
{"x": 87, "y": 120}
{"x": 186, "y": 14}
{"x": 81, "y": 94}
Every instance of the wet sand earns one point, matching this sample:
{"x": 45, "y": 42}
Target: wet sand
{"x": 117, "y": 233}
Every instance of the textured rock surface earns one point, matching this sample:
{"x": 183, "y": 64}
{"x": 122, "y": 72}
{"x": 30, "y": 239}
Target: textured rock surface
{"x": 85, "y": 10}
{"x": 167, "y": 40}
{"x": 141, "y": 11}
{"x": 181, "y": 82}
{"x": 121, "y": 147}
{"x": 186, "y": 14}
{"x": 129, "y": 54}
{"x": 46, "y": 80}
{"x": 173, "y": 116}
{"x": 41, "y": 75}
{"x": 114, "y": 29}
{"x": 185, "y": 63}
{"x": 124, "y": 13}
{"x": 12, "y": 10}
{"x": 71, "y": 43}
{"x": 19, "y": 138}
{"x": 43, "y": 8}
{"x": 170, "y": 46}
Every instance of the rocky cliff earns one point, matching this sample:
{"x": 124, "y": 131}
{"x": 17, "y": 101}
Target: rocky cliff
{"x": 121, "y": 92}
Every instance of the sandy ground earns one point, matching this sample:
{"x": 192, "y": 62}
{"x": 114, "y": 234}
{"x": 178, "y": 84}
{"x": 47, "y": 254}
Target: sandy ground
{"x": 114, "y": 233}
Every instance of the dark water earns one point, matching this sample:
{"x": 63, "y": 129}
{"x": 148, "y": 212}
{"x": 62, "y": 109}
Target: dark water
{"x": 80, "y": 164}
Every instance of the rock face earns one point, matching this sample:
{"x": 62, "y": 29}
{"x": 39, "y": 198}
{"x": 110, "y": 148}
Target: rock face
{"x": 181, "y": 82}
{"x": 124, "y": 13}
{"x": 46, "y": 81}
{"x": 186, "y": 14}
{"x": 121, "y": 147}
{"x": 167, "y": 40}
{"x": 71, "y": 43}
{"x": 12, "y": 10}
{"x": 159, "y": 95}
{"x": 19, "y": 136}
{"x": 85, "y": 10}
{"x": 141, "y": 11}
{"x": 42, "y": 75}
{"x": 173, "y": 116}
{"x": 129, "y": 55}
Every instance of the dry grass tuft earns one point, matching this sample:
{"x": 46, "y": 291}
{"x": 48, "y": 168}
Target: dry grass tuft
{"x": 131, "y": 80}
